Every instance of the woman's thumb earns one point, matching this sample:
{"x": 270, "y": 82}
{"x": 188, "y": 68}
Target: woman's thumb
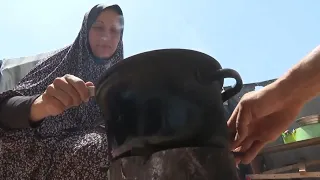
{"x": 89, "y": 83}
{"x": 91, "y": 88}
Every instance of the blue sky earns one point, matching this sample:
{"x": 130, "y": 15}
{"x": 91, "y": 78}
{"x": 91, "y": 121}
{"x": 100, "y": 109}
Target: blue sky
{"x": 261, "y": 39}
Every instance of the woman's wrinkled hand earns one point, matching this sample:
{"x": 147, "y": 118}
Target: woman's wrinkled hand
{"x": 259, "y": 118}
{"x": 65, "y": 92}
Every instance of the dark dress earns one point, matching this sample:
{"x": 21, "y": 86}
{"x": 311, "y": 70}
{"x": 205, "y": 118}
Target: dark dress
{"x": 69, "y": 146}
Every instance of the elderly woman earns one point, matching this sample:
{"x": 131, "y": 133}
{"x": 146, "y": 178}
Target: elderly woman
{"x": 49, "y": 125}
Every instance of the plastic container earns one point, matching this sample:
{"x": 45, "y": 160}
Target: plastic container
{"x": 309, "y": 128}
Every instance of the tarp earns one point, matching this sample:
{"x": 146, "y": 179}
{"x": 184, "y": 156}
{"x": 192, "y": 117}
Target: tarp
{"x": 13, "y": 70}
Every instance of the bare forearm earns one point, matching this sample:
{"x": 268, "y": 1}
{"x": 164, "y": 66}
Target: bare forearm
{"x": 302, "y": 82}
{"x": 38, "y": 111}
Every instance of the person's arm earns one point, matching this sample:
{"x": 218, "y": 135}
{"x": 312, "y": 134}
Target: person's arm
{"x": 15, "y": 112}
{"x": 38, "y": 110}
{"x": 302, "y": 82}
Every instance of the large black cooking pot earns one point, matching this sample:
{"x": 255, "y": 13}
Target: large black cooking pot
{"x": 163, "y": 100}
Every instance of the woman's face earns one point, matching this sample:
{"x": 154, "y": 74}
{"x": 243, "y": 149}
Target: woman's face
{"x": 105, "y": 34}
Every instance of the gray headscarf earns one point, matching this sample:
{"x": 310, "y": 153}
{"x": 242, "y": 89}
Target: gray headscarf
{"x": 75, "y": 59}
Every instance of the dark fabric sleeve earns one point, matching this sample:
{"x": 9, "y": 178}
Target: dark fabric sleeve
{"x": 15, "y": 112}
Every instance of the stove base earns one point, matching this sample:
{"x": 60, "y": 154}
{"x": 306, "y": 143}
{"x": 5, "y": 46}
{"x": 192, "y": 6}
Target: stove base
{"x": 199, "y": 163}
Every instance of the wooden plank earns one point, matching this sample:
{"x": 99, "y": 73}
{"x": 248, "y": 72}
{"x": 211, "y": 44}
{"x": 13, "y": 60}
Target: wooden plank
{"x": 284, "y": 175}
{"x": 291, "y": 167}
{"x": 290, "y": 146}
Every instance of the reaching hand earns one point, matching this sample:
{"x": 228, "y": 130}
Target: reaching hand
{"x": 259, "y": 118}
{"x": 65, "y": 92}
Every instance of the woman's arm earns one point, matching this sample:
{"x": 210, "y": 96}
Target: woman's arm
{"x": 38, "y": 110}
{"x": 15, "y": 112}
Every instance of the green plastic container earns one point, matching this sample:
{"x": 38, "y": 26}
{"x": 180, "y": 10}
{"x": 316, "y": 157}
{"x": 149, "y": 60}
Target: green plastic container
{"x": 307, "y": 132}
{"x": 309, "y": 128}
{"x": 288, "y": 137}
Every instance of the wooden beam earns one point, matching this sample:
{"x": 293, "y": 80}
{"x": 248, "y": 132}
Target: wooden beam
{"x": 290, "y": 146}
{"x": 291, "y": 167}
{"x": 284, "y": 175}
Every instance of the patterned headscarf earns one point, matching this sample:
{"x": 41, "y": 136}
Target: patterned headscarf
{"x": 75, "y": 59}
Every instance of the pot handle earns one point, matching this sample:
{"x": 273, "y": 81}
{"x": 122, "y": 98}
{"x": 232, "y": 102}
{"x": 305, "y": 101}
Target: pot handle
{"x": 228, "y": 73}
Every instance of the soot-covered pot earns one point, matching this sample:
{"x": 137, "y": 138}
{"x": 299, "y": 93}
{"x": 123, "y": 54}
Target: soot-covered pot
{"x": 166, "y": 106}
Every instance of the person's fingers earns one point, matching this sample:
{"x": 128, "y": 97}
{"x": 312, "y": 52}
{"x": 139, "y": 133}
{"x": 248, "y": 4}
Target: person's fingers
{"x": 237, "y": 160}
{"x": 64, "y": 92}
{"x": 79, "y": 85}
{"x": 242, "y": 120}
{"x": 240, "y": 151}
{"x": 253, "y": 151}
{"x": 89, "y": 83}
{"x": 91, "y": 88}
{"x": 231, "y": 124}
{"x": 53, "y": 105}
{"x": 245, "y": 145}
{"x": 63, "y": 97}
{"x": 63, "y": 85}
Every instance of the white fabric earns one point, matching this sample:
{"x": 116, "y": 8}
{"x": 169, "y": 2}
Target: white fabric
{"x": 13, "y": 70}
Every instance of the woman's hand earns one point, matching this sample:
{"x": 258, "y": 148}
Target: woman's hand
{"x": 65, "y": 92}
{"x": 259, "y": 118}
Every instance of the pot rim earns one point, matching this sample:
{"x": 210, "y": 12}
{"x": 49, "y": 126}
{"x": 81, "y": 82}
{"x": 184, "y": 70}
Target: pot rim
{"x": 126, "y": 61}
